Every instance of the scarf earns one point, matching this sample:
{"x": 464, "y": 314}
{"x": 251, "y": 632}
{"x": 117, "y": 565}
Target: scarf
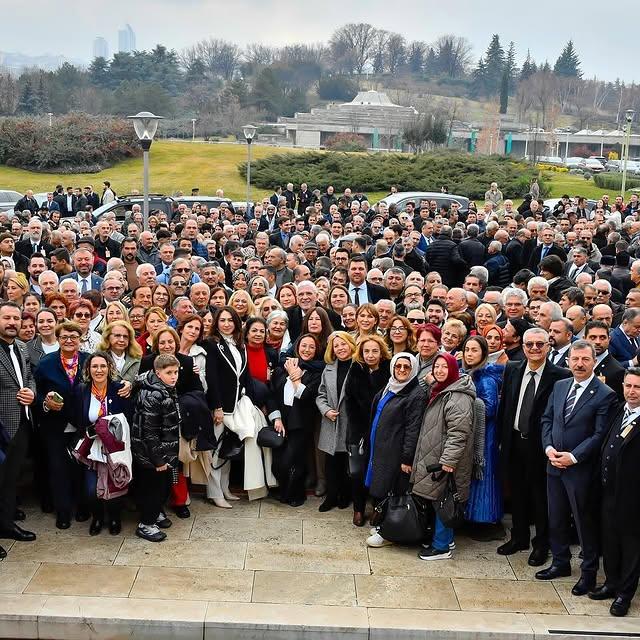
{"x": 394, "y": 385}
{"x": 452, "y": 376}
{"x": 101, "y": 397}
{"x": 494, "y": 327}
{"x": 257, "y": 363}
{"x": 70, "y": 369}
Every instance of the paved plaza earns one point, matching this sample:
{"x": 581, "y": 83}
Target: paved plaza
{"x": 264, "y": 570}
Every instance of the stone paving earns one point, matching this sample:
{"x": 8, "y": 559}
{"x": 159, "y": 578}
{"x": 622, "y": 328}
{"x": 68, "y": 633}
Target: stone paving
{"x": 281, "y": 568}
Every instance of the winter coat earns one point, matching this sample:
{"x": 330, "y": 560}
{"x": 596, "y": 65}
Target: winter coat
{"x": 499, "y": 270}
{"x": 302, "y": 414}
{"x": 446, "y": 437}
{"x": 443, "y": 256}
{"x": 472, "y": 251}
{"x": 333, "y": 435}
{"x": 396, "y": 436}
{"x": 156, "y": 422}
{"x": 360, "y": 388}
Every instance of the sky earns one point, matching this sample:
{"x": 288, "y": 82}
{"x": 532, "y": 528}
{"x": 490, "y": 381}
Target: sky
{"x": 68, "y": 27}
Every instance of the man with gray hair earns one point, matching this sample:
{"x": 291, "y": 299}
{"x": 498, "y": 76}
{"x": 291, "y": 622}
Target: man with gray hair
{"x": 579, "y": 264}
{"x": 181, "y": 308}
{"x": 624, "y": 339}
{"x": 514, "y": 302}
{"x": 574, "y": 425}
{"x": 386, "y": 311}
{"x": 526, "y": 387}
{"x": 549, "y": 312}
{"x": 48, "y": 282}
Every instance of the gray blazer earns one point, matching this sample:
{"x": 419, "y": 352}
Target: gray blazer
{"x": 130, "y": 369}
{"x": 333, "y": 435}
{"x": 9, "y": 387}
{"x": 35, "y": 350}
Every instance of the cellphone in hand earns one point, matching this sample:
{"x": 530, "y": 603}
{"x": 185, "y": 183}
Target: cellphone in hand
{"x": 57, "y": 397}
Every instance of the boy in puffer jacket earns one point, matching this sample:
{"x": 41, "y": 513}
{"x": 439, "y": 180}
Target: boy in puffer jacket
{"x": 154, "y": 444}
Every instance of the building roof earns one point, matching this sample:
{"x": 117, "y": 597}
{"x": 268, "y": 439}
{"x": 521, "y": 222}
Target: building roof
{"x": 372, "y": 99}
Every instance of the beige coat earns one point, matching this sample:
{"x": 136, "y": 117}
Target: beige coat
{"x": 446, "y": 437}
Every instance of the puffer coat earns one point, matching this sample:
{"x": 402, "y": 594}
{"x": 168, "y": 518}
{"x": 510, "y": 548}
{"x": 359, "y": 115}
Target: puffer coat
{"x": 446, "y": 437}
{"x": 156, "y": 422}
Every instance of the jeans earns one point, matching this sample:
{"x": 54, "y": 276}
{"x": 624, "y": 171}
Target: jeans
{"x": 442, "y": 536}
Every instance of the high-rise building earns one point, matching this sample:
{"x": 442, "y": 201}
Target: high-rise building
{"x": 126, "y": 39}
{"x": 100, "y": 48}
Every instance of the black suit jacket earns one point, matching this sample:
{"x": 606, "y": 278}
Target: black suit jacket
{"x": 94, "y": 200}
{"x": 295, "y": 320}
{"x": 25, "y": 247}
{"x": 557, "y": 287}
{"x": 613, "y": 373}
{"x": 376, "y": 292}
{"x": 555, "y": 250}
{"x": 74, "y": 205}
{"x": 275, "y": 240}
{"x": 513, "y": 374}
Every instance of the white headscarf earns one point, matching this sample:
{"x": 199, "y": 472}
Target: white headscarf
{"x": 394, "y": 385}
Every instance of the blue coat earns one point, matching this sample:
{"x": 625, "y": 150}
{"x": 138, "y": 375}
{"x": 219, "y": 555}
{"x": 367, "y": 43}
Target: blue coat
{"x": 82, "y": 402}
{"x": 585, "y": 428}
{"x": 620, "y": 347}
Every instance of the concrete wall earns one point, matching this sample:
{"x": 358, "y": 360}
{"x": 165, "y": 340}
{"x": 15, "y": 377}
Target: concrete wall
{"x": 307, "y": 139}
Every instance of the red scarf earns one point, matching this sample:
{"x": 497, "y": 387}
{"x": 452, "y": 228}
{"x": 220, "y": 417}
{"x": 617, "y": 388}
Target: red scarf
{"x": 257, "y": 362}
{"x": 452, "y": 376}
{"x": 70, "y": 369}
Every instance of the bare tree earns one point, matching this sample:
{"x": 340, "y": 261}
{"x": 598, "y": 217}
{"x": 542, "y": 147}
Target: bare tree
{"x": 453, "y": 55}
{"x": 220, "y": 58}
{"x": 257, "y": 54}
{"x": 396, "y": 52}
{"x": 524, "y": 99}
{"x": 542, "y": 87}
{"x": 352, "y": 46}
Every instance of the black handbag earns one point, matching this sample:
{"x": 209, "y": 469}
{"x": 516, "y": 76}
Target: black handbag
{"x": 270, "y": 438}
{"x": 404, "y": 521}
{"x": 449, "y": 508}
{"x": 357, "y": 461}
{"x": 231, "y": 448}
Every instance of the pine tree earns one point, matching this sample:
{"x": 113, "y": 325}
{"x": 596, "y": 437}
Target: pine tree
{"x": 28, "y": 102}
{"x": 415, "y": 58}
{"x": 568, "y": 63}
{"x": 494, "y": 61}
{"x": 504, "y": 91}
{"x": 546, "y": 67}
{"x": 528, "y": 67}
{"x": 42, "y": 96}
{"x": 511, "y": 66}
{"x": 431, "y": 64}
{"x": 479, "y": 84}
{"x": 378, "y": 62}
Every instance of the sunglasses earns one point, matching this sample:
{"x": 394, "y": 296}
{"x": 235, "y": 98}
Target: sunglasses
{"x": 81, "y": 315}
{"x": 403, "y": 367}
{"x": 416, "y": 320}
{"x": 537, "y": 345}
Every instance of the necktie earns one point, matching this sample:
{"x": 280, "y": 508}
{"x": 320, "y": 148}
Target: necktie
{"x": 571, "y": 400}
{"x": 544, "y": 252}
{"x": 625, "y": 417}
{"x": 18, "y": 370}
{"x": 554, "y": 355}
{"x": 527, "y": 405}
{"x": 84, "y": 287}
{"x": 356, "y": 296}
{"x": 572, "y": 275}
{"x": 35, "y": 248}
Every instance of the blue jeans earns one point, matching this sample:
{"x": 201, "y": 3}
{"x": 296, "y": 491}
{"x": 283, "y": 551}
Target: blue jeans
{"x": 442, "y": 536}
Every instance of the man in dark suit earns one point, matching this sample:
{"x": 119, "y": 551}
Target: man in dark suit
{"x": 574, "y": 425}
{"x": 82, "y": 274}
{"x": 92, "y": 197}
{"x": 578, "y": 264}
{"x": 7, "y": 249}
{"x": 27, "y": 203}
{"x": 361, "y": 291}
{"x": 526, "y": 386}
{"x": 17, "y": 393}
{"x": 281, "y": 237}
{"x": 81, "y": 200}
{"x": 560, "y": 336}
{"x": 608, "y": 369}
{"x": 33, "y": 244}
{"x": 70, "y": 203}
{"x": 544, "y": 249}
{"x": 307, "y": 302}
{"x": 619, "y": 477}
{"x": 624, "y": 339}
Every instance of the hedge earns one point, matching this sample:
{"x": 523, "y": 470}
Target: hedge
{"x": 76, "y": 143}
{"x": 613, "y": 181}
{"x": 463, "y": 173}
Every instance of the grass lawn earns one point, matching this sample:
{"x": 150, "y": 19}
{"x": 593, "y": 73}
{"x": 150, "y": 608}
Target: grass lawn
{"x": 179, "y": 166}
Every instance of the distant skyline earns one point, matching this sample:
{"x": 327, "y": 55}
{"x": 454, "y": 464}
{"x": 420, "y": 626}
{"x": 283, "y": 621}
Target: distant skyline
{"x": 543, "y": 27}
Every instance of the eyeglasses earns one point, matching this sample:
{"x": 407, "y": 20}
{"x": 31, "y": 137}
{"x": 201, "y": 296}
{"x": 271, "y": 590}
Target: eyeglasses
{"x": 178, "y": 283}
{"x": 68, "y": 338}
{"x": 397, "y": 329}
{"x": 117, "y": 288}
{"x": 136, "y": 317}
{"x": 403, "y": 367}
{"x": 537, "y": 345}
{"x": 81, "y": 315}
{"x": 182, "y": 269}
{"x": 417, "y": 294}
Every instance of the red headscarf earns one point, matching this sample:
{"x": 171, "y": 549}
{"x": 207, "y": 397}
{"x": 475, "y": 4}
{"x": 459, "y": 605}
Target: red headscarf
{"x": 494, "y": 327}
{"x": 452, "y": 376}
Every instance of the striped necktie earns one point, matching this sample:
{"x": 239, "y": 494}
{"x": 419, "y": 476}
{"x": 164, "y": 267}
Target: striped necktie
{"x": 571, "y": 400}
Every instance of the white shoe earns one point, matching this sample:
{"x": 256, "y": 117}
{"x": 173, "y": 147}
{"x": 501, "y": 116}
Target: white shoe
{"x": 230, "y": 496}
{"x": 221, "y": 502}
{"x": 374, "y": 530}
{"x": 452, "y": 546}
{"x": 376, "y": 541}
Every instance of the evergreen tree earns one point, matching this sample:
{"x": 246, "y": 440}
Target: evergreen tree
{"x": 511, "y": 66}
{"x": 479, "y": 82}
{"x": 431, "y": 64}
{"x": 528, "y": 67}
{"x": 99, "y": 72}
{"x": 42, "y": 95}
{"x": 378, "y": 62}
{"x": 546, "y": 67}
{"x": 415, "y": 57}
{"x": 28, "y": 102}
{"x": 504, "y": 91}
{"x": 568, "y": 63}
{"x": 494, "y": 61}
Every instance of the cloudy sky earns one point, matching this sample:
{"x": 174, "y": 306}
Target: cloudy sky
{"x": 68, "y": 27}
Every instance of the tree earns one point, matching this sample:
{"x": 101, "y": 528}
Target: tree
{"x": 528, "y": 67}
{"x": 339, "y": 88}
{"x": 512, "y": 67}
{"x": 396, "y": 52}
{"x": 542, "y": 87}
{"x": 568, "y": 63}
{"x": 416, "y": 56}
{"x": 28, "y": 102}
{"x": 479, "y": 79}
{"x": 453, "y": 55}
{"x": 42, "y": 95}
{"x": 352, "y": 47}
{"x": 494, "y": 62}
{"x": 504, "y": 91}
{"x": 427, "y": 129}
{"x": 431, "y": 63}
{"x": 99, "y": 72}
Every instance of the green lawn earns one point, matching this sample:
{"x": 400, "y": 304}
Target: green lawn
{"x": 179, "y": 166}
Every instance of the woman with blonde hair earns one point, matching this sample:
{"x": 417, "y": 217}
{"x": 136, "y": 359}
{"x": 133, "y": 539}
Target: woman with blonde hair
{"x": 332, "y": 439}
{"x": 154, "y": 319}
{"x": 287, "y": 295}
{"x": 267, "y": 305}
{"x": 401, "y": 337}
{"x": 485, "y": 315}
{"x": 114, "y": 310}
{"x": 241, "y": 302}
{"x": 367, "y": 320}
{"x": 453, "y": 334}
{"x": 16, "y": 287}
{"x": 119, "y": 341}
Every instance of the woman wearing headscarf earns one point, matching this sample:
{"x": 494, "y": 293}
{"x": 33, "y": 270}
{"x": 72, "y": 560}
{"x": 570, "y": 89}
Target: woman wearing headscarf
{"x": 428, "y": 338}
{"x": 494, "y": 336}
{"x": 446, "y": 439}
{"x": 485, "y": 495}
{"x": 396, "y": 418}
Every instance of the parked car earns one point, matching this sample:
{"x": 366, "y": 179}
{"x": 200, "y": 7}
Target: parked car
{"x": 9, "y": 199}
{"x": 592, "y": 165}
{"x": 613, "y": 166}
{"x": 401, "y": 199}
{"x": 157, "y": 202}
{"x": 601, "y": 159}
{"x": 209, "y": 201}
{"x": 573, "y": 163}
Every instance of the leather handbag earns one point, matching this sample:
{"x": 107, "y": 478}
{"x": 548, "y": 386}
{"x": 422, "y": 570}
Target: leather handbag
{"x": 270, "y": 438}
{"x": 231, "y": 448}
{"x": 404, "y": 521}
{"x": 449, "y": 508}
{"x": 357, "y": 461}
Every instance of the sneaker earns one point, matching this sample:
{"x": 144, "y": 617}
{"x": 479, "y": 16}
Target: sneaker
{"x": 376, "y": 541}
{"x": 374, "y": 530}
{"x": 429, "y": 553}
{"x": 163, "y": 522}
{"x": 150, "y": 533}
{"x": 452, "y": 546}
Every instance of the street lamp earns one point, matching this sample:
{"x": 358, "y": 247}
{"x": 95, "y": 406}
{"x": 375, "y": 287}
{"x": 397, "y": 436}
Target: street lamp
{"x": 50, "y": 119}
{"x": 145, "y": 125}
{"x": 628, "y": 116}
{"x": 193, "y": 123}
{"x": 249, "y": 132}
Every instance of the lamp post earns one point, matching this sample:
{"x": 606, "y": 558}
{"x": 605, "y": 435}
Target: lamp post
{"x": 566, "y": 147}
{"x": 628, "y": 116}
{"x": 526, "y": 145}
{"x": 145, "y": 125}
{"x": 50, "y": 119}
{"x": 193, "y": 124}
{"x": 249, "y": 132}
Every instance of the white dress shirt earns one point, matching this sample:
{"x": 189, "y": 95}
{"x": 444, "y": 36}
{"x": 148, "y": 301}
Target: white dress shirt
{"x": 362, "y": 293}
{"x": 523, "y": 385}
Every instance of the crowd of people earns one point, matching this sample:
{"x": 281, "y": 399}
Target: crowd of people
{"x": 328, "y": 345}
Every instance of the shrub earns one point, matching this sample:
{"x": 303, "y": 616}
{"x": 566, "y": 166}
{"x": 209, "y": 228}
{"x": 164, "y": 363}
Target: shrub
{"x": 76, "y": 143}
{"x": 464, "y": 174}
{"x": 346, "y": 142}
{"x": 613, "y": 181}
{"x": 339, "y": 88}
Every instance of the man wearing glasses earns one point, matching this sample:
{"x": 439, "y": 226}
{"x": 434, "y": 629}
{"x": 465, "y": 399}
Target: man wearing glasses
{"x": 527, "y": 385}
